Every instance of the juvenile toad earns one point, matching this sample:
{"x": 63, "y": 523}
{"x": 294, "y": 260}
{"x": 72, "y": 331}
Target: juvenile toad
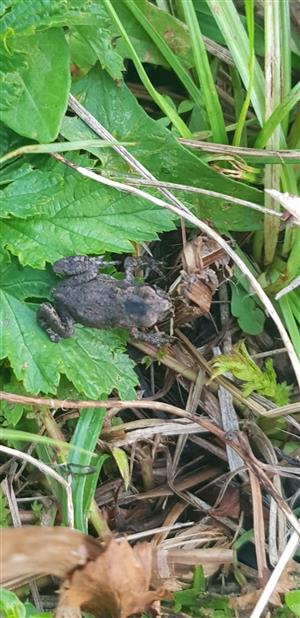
{"x": 100, "y": 301}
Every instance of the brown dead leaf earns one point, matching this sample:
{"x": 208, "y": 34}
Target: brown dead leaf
{"x": 229, "y": 505}
{"x": 111, "y": 580}
{"x": 115, "y": 585}
{"x": 201, "y": 252}
{"x": 196, "y": 291}
{"x": 33, "y": 551}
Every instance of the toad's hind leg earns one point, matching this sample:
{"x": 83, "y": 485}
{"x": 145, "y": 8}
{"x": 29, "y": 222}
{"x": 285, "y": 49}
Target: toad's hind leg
{"x": 57, "y": 327}
{"x": 76, "y": 265}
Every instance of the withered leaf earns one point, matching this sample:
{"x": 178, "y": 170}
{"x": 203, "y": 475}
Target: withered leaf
{"x": 115, "y": 585}
{"x": 32, "y": 551}
{"x": 111, "y": 580}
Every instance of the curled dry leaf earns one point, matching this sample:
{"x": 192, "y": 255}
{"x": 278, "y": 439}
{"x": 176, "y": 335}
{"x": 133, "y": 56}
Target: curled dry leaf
{"x": 202, "y": 252}
{"x": 115, "y": 585}
{"x": 32, "y": 551}
{"x": 111, "y": 580}
{"x": 203, "y": 264}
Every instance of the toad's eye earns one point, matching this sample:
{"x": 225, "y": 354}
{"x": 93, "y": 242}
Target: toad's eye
{"x": 135, "y": 308}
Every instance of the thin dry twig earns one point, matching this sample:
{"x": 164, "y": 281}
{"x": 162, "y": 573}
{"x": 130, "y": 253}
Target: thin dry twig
{"x": 67, "y": 404}
{"x": 189, "y": 189}
{"x": 291, "y": 286}
{"x": 259, "y": 528}
{"x": 8, "y": 491}
{"x": 281, "y": 155}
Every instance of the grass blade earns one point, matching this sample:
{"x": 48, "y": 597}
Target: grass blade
{"x": 272, "y": 100}
{"x": 237, "y": 42}
{"x": 57, "y": 147}
{"x": 249, "y": 7}
{"x": 168, "y": 54}
{"x": 278, "y": 115}
{"x": 285, "y": 304}
{"x": 285, "y": 46}
{"x": 86, "y": 434}
{"x": 206, "y": 81}
{"x": 160, "y": 100}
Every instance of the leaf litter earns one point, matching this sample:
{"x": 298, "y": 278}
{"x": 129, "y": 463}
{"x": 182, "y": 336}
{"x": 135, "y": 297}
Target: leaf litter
{"x": 185, "y": 471}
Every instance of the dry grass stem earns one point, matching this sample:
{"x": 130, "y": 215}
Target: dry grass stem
{"x": 44, "y": 469}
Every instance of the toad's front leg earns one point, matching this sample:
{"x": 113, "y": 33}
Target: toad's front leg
{"x": 55, "y": 325}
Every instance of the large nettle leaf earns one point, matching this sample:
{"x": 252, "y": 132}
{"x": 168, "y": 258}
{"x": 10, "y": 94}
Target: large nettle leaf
{"x": 157, "y": 148}
{"x": 27, "y": 16}
{"x": 35, "y": 81}
{"x": 94, "y": 360}
{"x": 30, "y": 194}
{"x": 69, "y": 214}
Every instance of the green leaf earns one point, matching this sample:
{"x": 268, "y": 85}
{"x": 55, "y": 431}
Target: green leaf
{"x": 241, "y": 365}
{"x": 10, "y": 605}
{"x": 9, "y": 140}
{"x": 292, "y": 600}
{"x": 75, "y": 216}
{"x": 250, "y": 318}
{"x": 27, "y": 16}
{"x": 25, "y": 346}
{"x": 121, "y": 460}
{"x": 13, "y": 171}
{"x": 5, "y": 517}
{"x": 90, "y": 44}
{"x": 93, "y": 360}
{"x": 173, "y": 32}
{"x": 118, "y": 110}
{"x": 35, "y": 81}
{"x": 103, "y": 364}
{"x": 24, "y": 283}
{"x": 33, "y": 611}
{"x": 31, "y": 194}
{"x": 185, "y": 106}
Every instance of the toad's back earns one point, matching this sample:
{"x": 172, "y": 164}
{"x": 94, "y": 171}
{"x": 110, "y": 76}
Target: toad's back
{"x": 104, "y": 302}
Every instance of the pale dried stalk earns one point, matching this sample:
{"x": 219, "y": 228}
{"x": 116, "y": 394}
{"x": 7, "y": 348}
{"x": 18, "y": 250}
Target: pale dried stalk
{"x": 259, "y": 528}
{"x": 271, "y": 586}
{"x": 47, "y": 471}
{"x": 189, "y": 189}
